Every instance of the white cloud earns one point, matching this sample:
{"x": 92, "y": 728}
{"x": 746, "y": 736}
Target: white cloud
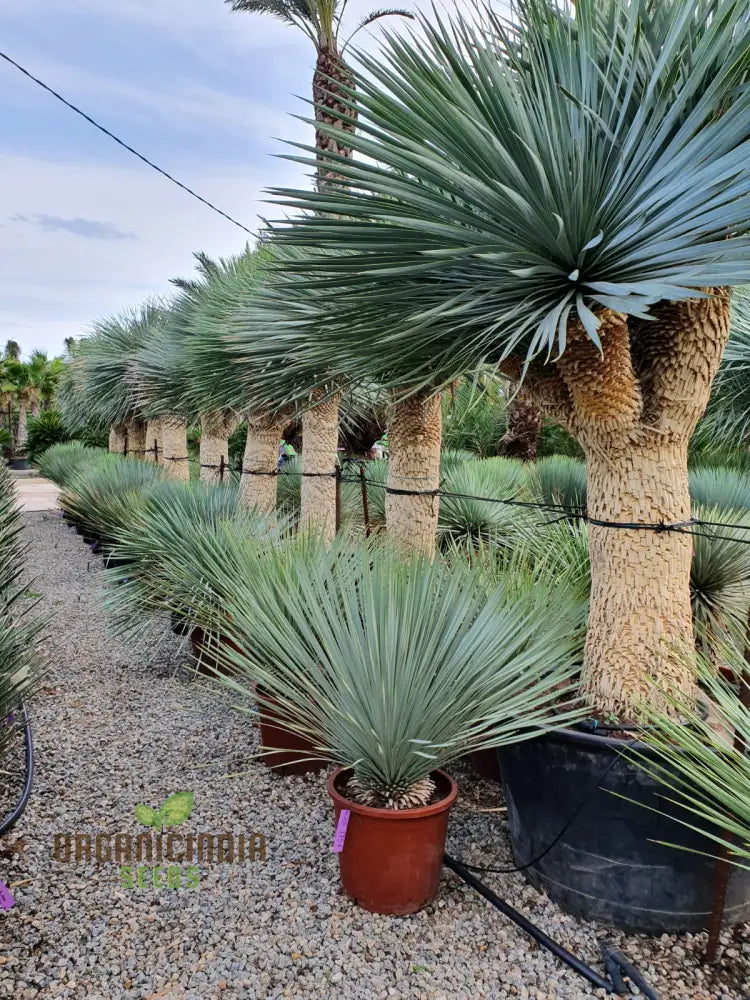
{"x": 54, "y": 283}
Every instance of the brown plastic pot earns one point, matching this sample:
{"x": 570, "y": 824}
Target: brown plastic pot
{"x": 294, "y": 750}
{"x": 203, "y": 644}
{"x": 392, "y": 858}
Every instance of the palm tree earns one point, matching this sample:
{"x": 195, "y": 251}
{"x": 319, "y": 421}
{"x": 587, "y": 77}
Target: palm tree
{"x": 582, "y": 236}
{"x": 97, "y": 387}
{"x": 20, "y": 384}
{"x": 321, "y": 22}
{"x": 13, "y": 350}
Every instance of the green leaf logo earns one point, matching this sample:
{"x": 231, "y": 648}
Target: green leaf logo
{"x": 146, "y": 815}
{"x": 177, "y": 808}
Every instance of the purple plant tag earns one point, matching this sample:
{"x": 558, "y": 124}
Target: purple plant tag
{"x": 340, "y": 835}
{"x": 6, "y": 900}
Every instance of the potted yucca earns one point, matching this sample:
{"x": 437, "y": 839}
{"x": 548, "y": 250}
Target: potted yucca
{"x": 392, "y": 670}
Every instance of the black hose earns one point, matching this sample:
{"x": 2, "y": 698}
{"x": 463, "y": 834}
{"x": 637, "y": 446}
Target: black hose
{"x": 13, "y": 818}
{"x": 525, "y": 924}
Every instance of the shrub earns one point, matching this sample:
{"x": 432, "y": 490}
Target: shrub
{"x": 46, "y": 430}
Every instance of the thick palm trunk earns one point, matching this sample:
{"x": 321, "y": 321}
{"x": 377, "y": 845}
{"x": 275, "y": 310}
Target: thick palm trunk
{"x": 633, "y": 409}
{"x": 117, "y": 434}
{"x": 153, "y": 449}
{"x": 35, "y": 408}
{"x": 137, "y": 445}
{"x": 320, "y": 440}
{"x": 174, "y": 447}
{"x": 414, "y": 439}
{"x": 214, "y": 447}
{"x": 260, "y": 464}
{"x": 22, "y": 433}
{"x": 524, "y": 426}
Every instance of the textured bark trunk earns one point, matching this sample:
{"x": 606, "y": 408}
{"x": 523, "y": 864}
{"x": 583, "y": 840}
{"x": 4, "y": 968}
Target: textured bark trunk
{"x": 414, "y": 438}
{"x": 215, "y": 431}
{"x": 260, "y": 464}
{"x": 174, "y": 447}
{"x": 117, "y": 439}
{"x": 137, "y": 439}
{"x": 524, "y": 427}
{"x": 640, "y": 629}
{"x": 35, "y": 408}
{"x": 320, "y": 439}
{"x": 22, "y": 433}
{"x": 633, "y": 409}
{"x": 153, "y": 438}
{"x": 331, "y": 72}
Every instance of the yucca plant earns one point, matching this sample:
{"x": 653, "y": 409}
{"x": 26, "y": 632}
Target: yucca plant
{"x": 395, "y": 668}
{"x": 703, "y": 760}
{"x": 462, "y": 517}
{"x": 720, "y": 487}
{"x": 20, "y": 668}
{"x": 60, "y": 462}
{"x": 558, "y": 480}
{"x": 103, "y": 495}
{"x": 720, "y": 579}
{"x": 175, "y": 529}
{"x": 581, "y": 234}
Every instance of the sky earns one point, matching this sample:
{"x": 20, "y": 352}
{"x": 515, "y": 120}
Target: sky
{"x": 86, "y": 230}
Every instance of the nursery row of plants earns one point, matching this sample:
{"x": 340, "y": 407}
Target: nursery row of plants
{"x": 561, "y": 200}
{"x": 394, "y": 668}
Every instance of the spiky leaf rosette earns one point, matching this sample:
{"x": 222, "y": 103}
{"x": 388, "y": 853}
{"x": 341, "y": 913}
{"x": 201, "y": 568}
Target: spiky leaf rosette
{"x": 512, "y": 178}
{"x": 392, "y": 668}
{"x": 728, "y": 415}
{"x": 20, "y": 668}
{"x": 61, "y": 462}
{"x": 704, "y": 764}
{"x": 175, "y": 531}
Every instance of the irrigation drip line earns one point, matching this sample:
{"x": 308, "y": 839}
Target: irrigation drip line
{"x": 14, "y": 816}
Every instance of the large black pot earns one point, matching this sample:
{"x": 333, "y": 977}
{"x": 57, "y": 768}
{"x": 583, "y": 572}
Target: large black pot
{"x": 607, "y": 865}
{"x": 19, "y": 463}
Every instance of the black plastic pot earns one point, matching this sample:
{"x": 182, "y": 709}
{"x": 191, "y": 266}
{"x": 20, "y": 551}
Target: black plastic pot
{"x": 19, "y": 463}
{"x": 607, "y": 866}
{"x": 180, "y": 623}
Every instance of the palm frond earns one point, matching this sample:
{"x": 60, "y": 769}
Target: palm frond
{"x": 489, "y": 205}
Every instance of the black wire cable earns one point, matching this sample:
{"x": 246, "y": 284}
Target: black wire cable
{"x": 576, "y": 813}
{"x": 124, "y": 145}
{"x": 13, "y": 818}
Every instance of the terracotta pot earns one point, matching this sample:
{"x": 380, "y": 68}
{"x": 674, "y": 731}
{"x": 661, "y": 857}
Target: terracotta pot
{"x": 202, "y": 646}
{"x": 293, "y": 748}
{"x": 392, "y": 858}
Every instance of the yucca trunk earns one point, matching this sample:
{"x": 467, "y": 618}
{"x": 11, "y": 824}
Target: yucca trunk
{"x": 22, "y": 432}
{"x": 153, "y": 441}
{"x": 634, "y": 409}
{"x": 524, "y": 427}
{"x": 320, "y": 440}
{"x": 414, "y": 439}
{"x": 174, "y": 447}
{"x": 214, "y": 447}
{"x": 137, "y": 430}
{"x": 34, "y": 409}
{"x": 258, "y": 485}
{"x": 117, "y": 433}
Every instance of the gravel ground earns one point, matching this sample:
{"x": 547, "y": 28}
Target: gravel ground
{"x": 118, "y": 724}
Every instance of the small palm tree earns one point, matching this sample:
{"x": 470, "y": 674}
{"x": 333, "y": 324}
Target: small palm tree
{"x": 321, "y": 22}
{"x": 582, "y": 235}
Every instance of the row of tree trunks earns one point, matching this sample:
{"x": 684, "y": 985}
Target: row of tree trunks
{"x": 117, "y": 439}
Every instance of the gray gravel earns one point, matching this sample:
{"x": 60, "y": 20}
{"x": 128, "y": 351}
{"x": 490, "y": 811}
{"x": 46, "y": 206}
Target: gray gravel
{"x": 119, "y": 724}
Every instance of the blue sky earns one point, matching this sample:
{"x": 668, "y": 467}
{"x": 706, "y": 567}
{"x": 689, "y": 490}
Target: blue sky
{"x": 85, "y": 229}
